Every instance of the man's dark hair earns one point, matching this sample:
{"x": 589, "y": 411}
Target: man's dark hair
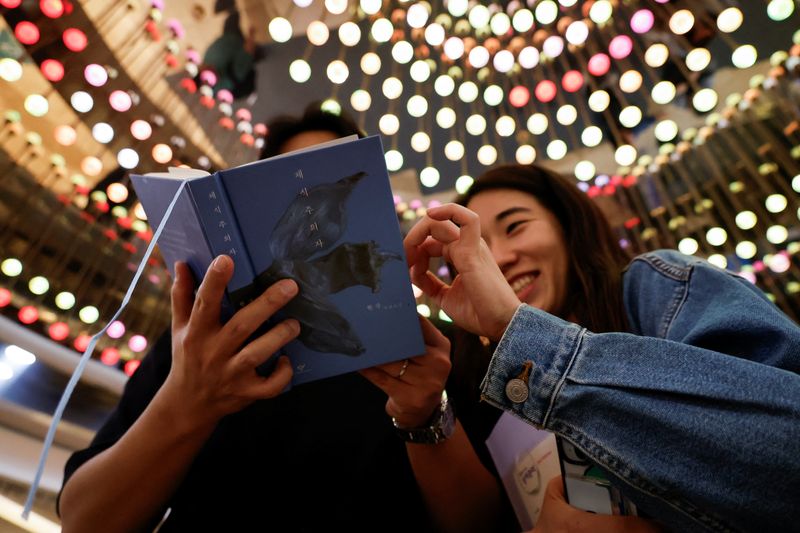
{"x": 314, "y": 118}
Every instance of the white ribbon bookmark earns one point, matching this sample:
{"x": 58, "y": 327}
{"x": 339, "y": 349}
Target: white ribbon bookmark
{"x": 76, "y": 374}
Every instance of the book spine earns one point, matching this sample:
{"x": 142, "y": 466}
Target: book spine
{"x": 222, "y": 233}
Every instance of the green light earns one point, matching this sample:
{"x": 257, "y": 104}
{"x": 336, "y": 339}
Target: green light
{"x": 779, "y": 10}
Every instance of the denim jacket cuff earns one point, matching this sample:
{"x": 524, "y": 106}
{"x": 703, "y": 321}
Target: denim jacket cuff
{"x": 548, "y": 342}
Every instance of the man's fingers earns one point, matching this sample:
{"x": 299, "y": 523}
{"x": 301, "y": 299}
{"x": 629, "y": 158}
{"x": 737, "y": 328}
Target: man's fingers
{"x": 273, "y": 384}
{"x": 182, "y": 288}
{"x": 249, "y": 318}
{"x": 208, "y": 301}
{"x": 260, "y": 349}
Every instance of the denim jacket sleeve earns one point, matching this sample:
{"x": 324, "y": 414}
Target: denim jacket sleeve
{"x": 695, "y": 414}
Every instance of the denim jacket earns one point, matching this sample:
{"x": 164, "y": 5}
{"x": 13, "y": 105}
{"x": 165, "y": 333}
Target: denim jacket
{"x": 694, "y": 414}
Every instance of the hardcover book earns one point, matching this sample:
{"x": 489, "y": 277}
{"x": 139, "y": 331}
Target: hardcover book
{"x": 323, "y": 217}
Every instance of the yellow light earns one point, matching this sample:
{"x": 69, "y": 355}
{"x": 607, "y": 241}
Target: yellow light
{"x": 402, "y": 52}
{"x": 446, "y": 117}
{"x": 746, "y": 250}
{"x": 585, "y": 170}
{"x": 487, "y": 154}
{"x": 117, "y": 192}
{"x": 417, "y": 106}
{"x": 478, "y": 16}
{"x": 360, "y": 100}
{"x": 601, "y": 11}
{"x": 389, "y": 124}
{"x": 681, "y": 22}
{"x": 698, "y": 59}
{"x": 663, "y": 92}
{"x": 777, "y": 234}
{"x": 475, "y": 124}
{"x": 566, "y": 114}
{"x": 300, "y": 70}
{"x": 744, "y": 56}
{"x": 556, "y": 149}
{"x": 444, "y": 85}
{"x": 729, "y": 20}
{"x": 11, "y": 267}
{"x": 598, "y": 101}
{"x": 537, "y": 123}
{"x": 337, "y": 71}
{"x": 493, "y": 95}
{"x": 394, "y": 160}
{"x": 392, "y": 88}
{"x": 505, "y": 126}
{"x": 525, "y": 154}
{"x": 630, "y": 81}
{"x": 38, "y": 285}
{"x": 746, "y": 220}
{"x": 463, "y": 183}
{"x": 429, "y": 177}
{"x": 468, "y": 92}
{"x": 546, "y": 11}
{"x": 280, "y": 29}
{"x": 382, "y": 30}
{"x": 162, "y": 153}
{"x": 454, "y": 150}
{"x": 420, "y": 142}
{"x": 419, "y": 71}
{"x": 718, "y": 260}
{"x": 317, "y": 33}
{"x": 89, "y": 314}
{"x": 656, "y": 55}
{"x": 688, "y": 246}
{"x": 630, "y": 117}
{"x": 592, "y": 136}
{"x": 775, "y": 203}
{"x": 65, "y": 300}
{"x": 716, "y": 236}
{"x": 370, "y": 63}
{"x": 625, "y": 155}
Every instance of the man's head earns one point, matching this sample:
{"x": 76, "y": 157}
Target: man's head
{"x": 315, "y": 126}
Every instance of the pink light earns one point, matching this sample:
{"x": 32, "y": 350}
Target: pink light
{"x": 131, "y": 366}
{"x": 5, "y": 297}
{"x": 572, "y": 81}
{"x": 26, "y": 32}
{"x": 224, "y": 95}
{"x": 95, "y": 75}
{"x": 110, "y": 356}
{"x": 10, "y": 4}
{"x": 519, "y": 96}
{"x": 141, "y": 130}
{"x": 642, "y": 21}
{"x": 244, "y": 114}
{"x": 599, "y": 64}
{"x": 120, "y": 101}
{"x": 116, "y": 329}
{"x": 620, "y": 46}
{"x": 74, "y": 39}
{"x": 58, "y": 331}
{"x": 137, "y": 343}
{"x": 52, "y": 69}
{"x": 28, "y": 314}
{"x": 81, "y": 342}
{"x": 208, "y": 77}
{"x": 545, "y": 91}
{"x": 65, "y": 135}
{"x": 260, "y": 129}
{"x": 415, "y": 203}
{"x": 52, "y": 8}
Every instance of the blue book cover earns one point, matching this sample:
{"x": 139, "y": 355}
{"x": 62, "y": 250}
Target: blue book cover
{"x": 324, "y": 217}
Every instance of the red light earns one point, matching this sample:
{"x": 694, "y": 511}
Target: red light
{"x": 10, "y": 4}
{"x": 572, "y": 81}
{"x": 519, "y": 96}
{"x": 28, "y": 314}
{"x": 52, "y": 8}
{"x": 5, "y": 297}
{"x": 26, "y": 32}
{"x": 110, "y": 356}
{"x": 58, "y": 331}
{"x": 74, "y": 39}
{"x": 81, "y": 342}
{"x": 599, "y": 64}
{"x": 131, "y": 366}
{"x": 545, "y": 91}
{"x": 52, "y": 69}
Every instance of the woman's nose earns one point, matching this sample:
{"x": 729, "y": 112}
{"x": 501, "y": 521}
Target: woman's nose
{"x": 504, "y": 255}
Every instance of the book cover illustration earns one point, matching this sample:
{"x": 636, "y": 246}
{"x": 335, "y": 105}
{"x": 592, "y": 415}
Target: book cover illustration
{"x": 325, "y": 218}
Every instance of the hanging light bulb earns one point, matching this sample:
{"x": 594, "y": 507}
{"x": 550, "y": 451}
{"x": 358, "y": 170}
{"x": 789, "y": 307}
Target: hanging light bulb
{"x": 475, "y": 125}
{"x": 630, "y": 116}
{"x": 434, "y": 34}
{"x": 487, "y": 155}
{"x": 402, "y": 52}
{"x": 417, "y": 106}
{"x": 478, "y": 16}
{"x": 360, "y": 100}
{"x": 777, "y": 234}
{"x": 698, "y": 59}
{"x": 688, "y": 246}
{"x": 663, "y": 92}
{"x": 300, "y": 70}
{"x": 454, "y": 48}
{"x": 500, "y": 24}
{"x": 420, "y": 71}
{"x": 522, "y": 21}
{"x": 317, "y": 33}
{"x": 102, "y": 132}
{"x": 744, "y": 56}
{"x": 566, "y": 115}
{"x": 36, "y": 105}
{"x": 716, "y": 236}
{"x": 463, "y": 183}
{"x": 746, "y": 220}
{"x": 162, "y": 153}
{"x": 280, "y": 29}
{"x": 599, "y": 101}
{"x": 493, "y": 95}
{"x": 681, "y": 22}
{"x": 370, "y": 63}
{"x": 642, "y": 21}
{"x": 556, "y": 149}
{"x": 780, "y": 10}
{"x": 537, "y": 123}
{"x": 420, "y": 142}
{"x": 337, "y": 71}
{"x": 505, "y": 126}
{"x": 389, "y": 124}
{"x": 370, "y": 7}
{"x": 519, "y": 96}
{"x": 503, "y": 61}
{"x": 65, "y": 300}
{"x": 776, "y": 203}
{"x": 666, "y": 130}
{"x": 394, "y": 160}
{"x": 468, "y": 92}
{"x": 446, "y": 117}
{"x": 528, "y": 57}
{"x": 585, "y": 170}
{"x": 429, "y": 177}
{"x": 478, "y": 57}
{"x": 592, "y": 136}
{"x": 630, "y": 81}
{"x": 525, "y": 154}
{"x": 417, "y": 15}
{"x": 81, "y": 101}
{"x": 382, "y": 30}
{"x": 444, "y": 85}
{"x": 705, "y": 100}
{"x": 656, "y": 55}
{"x": 546, "y": 12}
{"x": 625, "y": 155}
{"x": 392, "y": 88}
{"x": 10, "y": 69}
{"x": 454, "y": 150}
{"x": 553, "y": 46}
{"x": 729, "y": 20}
{"x": 336, "y": 7}
{"x": 577, "y": 33}
{"x": 620, "y": 47}
{"x": 349, "y": 34}
{"x": 746, "y": 250}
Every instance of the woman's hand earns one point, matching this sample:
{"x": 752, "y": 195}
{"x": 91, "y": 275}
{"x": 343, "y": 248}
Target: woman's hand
{"x": 415, "y": 385}
{"x": 479, "y": 299}
{"x": 558, "y": 516}
{"x": 213, "y": 372}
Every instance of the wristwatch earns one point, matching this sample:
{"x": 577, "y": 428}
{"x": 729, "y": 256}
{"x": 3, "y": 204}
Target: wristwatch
{"x": 439, "y": 428}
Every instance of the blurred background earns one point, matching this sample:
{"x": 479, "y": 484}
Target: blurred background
{"x": 681, "y": 119}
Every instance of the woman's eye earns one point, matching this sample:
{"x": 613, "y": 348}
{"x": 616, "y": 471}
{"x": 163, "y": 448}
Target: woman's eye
{"x": 513, "y": 226}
